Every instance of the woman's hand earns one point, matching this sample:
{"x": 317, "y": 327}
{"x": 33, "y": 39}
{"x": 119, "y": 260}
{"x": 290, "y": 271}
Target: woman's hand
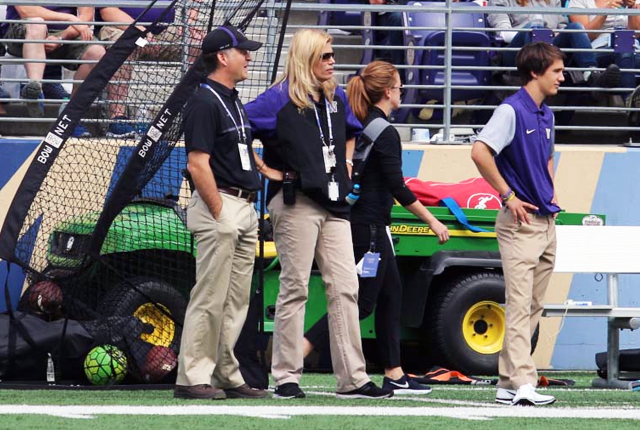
{"x": 440, "y": 230}
{"x": 271, "y": 174}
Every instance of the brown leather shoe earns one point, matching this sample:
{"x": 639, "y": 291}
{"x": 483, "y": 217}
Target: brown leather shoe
{"x": 245, "y": 392}
{"x": 202, "y": 391}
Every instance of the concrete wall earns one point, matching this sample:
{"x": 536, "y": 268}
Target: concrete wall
{"x": 598, "y": 179}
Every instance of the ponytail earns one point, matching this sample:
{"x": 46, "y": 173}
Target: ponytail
{"x": 358, "y": 98}
{"x": 368, "y": 88}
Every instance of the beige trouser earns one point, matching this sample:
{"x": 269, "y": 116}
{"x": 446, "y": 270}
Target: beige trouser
{"x": 220, "y": 299}
{"x": 528, "y": 254}
{"x": 169, "y": 48}
{"x": 301, "y": 232}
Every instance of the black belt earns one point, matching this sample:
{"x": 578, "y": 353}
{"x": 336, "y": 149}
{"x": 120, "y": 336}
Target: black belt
{"x": 250, "y": 196}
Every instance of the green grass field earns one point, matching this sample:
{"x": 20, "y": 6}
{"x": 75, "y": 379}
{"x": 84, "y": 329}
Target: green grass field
{"x": 579, "y": 406}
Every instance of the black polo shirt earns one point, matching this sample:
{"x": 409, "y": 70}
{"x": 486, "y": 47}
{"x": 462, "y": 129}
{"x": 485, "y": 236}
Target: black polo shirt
{"x": 208, "y": 128}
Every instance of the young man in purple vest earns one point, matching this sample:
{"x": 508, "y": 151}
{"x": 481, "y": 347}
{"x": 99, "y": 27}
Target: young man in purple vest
{"x": 514, "y": 153}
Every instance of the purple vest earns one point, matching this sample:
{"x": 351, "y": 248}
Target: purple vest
{"x": 524, "y": 163}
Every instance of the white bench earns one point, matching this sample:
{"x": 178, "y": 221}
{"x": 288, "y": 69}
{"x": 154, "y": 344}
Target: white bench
{"x": 610, "y": 251}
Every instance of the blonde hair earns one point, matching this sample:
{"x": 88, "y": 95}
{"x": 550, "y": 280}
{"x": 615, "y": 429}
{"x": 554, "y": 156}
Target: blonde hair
{"x": 369, "y": 87}
{"x": 305, "y": 51}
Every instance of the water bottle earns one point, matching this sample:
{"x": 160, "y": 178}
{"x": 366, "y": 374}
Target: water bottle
{"x": 354, "y": 195}
{"x": 51, "y": 371}
{"x": 537, "y": 21}
{"x": 142, "y": 120}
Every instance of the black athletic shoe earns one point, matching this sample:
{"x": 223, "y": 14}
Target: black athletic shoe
{"x": 288, "y": 391}
{"x": 367, "y": 391}
{"x": 405, "y": 386}
{"x": 608, "y": 79}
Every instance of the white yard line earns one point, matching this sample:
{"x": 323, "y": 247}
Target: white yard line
{"x": 424, "y": 399}
{"x": 444, "y": 387}
{"x": 284, "y": 412}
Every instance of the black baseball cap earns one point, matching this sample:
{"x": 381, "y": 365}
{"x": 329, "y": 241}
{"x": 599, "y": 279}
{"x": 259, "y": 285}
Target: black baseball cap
{"x": 225, "y": 37}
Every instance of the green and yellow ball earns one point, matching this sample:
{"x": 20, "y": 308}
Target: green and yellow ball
{"x": 105, "y": 364}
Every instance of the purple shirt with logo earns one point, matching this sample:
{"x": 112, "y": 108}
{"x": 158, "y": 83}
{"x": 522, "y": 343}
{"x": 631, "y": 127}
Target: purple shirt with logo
{"x": 522, "y": 135}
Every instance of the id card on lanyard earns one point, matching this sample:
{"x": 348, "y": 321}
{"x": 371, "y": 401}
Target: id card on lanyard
{"x": 243, "y": 148}
{"x": 328, "y": 153}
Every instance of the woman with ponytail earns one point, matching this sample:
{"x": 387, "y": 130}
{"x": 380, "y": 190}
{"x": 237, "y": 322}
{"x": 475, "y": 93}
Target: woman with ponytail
{"x": 374, "y": 94}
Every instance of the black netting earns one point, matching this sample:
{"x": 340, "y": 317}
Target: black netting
{"x": 99, "y": 223}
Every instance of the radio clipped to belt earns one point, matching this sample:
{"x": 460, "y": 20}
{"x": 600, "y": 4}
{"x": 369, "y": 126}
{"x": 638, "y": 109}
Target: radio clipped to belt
{"x": 367, "y": 267}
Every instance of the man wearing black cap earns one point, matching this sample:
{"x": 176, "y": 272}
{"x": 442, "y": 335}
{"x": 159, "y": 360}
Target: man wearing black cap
{"x": 224, "y": 169}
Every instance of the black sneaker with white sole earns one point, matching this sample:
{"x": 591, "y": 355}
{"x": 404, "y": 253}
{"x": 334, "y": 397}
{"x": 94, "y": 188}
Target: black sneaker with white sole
{"x": 405, "y": 386}
{"x": 290, "y": 390}
{"x": 367, "y": 391}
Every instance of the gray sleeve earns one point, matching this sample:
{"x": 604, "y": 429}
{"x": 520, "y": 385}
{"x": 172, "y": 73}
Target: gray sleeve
{"x": 500, "y": 130}
{"x": 578, "y": 4}
{"x": 500, "y": 21}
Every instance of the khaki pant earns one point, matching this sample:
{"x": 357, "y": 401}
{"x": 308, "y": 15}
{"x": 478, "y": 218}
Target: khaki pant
{"x": 64, "y": 51}
{"x": 169, "y": 48}
{"x": 220, "y": 299}
{"x": 301, "y": 232}
{"x": 528, "y": 254}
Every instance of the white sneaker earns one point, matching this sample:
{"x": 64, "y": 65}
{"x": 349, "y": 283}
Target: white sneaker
{"x": 527, "y": 396}
{"x": 504, "y": 396}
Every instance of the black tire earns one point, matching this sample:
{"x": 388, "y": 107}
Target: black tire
{"x": 128, "y": 297}
{"x": 448, "y": 309}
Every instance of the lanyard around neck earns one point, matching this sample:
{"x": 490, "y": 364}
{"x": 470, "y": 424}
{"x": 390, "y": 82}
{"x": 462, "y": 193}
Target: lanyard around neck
{"x": 328, "y": 111}
{"x": 241, "y": 133}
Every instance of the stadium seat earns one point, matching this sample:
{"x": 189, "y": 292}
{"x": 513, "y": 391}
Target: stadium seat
{"x": 436, "y": 57}
{"x": 339, "y": 19}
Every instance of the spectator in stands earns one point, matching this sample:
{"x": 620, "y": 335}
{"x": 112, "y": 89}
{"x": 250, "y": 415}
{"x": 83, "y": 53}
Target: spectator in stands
{"x": 308, "y": 131}
{"x": 373, "y": 95}
{"x": 624, "y": 60}
{"x": 514, "y": 153}
{"x": 52, "y": 48}
{"x": 165, "y": 44}
{"x": 387, "y": 37}
{"x": 508, "y": 25}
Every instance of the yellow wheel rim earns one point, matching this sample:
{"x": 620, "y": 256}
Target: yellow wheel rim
{"x": 483, "y": 327}
{"x": 269, "y": 250}
{"x": 164, "y": 328}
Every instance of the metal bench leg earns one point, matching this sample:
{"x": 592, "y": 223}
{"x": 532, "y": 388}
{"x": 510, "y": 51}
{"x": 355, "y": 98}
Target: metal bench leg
{"x": 613, "y": 343}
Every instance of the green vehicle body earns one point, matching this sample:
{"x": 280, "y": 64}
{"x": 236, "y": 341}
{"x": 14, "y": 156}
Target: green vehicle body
{"x": 427, "y": 268}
